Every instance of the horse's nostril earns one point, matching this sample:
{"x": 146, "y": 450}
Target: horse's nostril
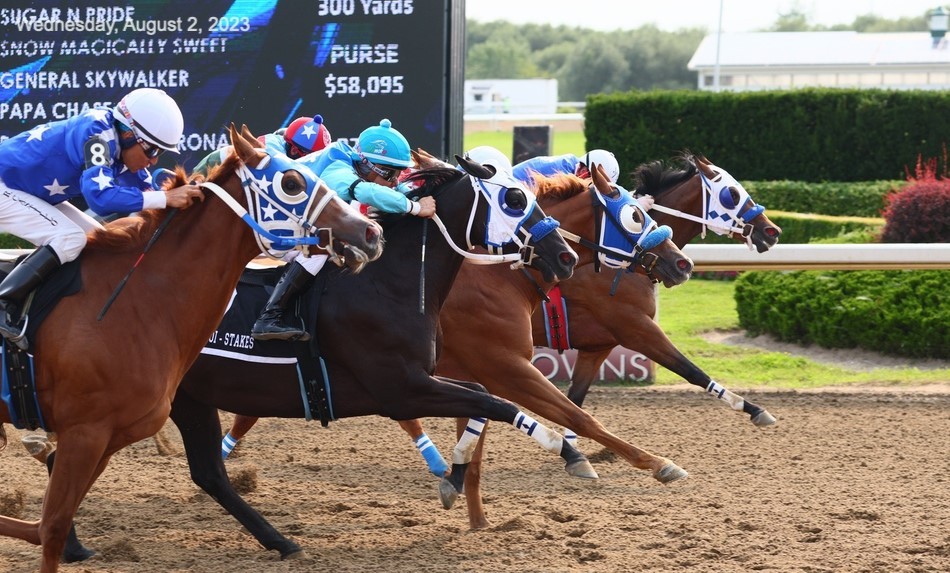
{"x": 772, "y": 232}
{"x": 567, "y": 258}
{"x": 372, "y": 234}
{"x": 684, "y": 264}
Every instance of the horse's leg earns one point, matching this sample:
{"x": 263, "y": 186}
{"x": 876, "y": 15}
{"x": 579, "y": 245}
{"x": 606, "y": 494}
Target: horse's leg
{"x": 524, "y": 384}
{"x": 468, "y": 432}
{"x": 473, "y": 486}
{"x": 200, "y": 429}
{"x": 74, "y": 551}
{"x": 80, "y": 459}
{"x": 662, "y": 351}
{"x": 426, "y": 447}
{"x": 586, "y": 371}
{"x": 239, "y": 428}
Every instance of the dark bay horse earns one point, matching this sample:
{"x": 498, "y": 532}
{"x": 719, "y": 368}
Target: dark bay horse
{"x": 378, "y": 340}
{"x": 689, "y": 198}
{"x": 103, "y": 385}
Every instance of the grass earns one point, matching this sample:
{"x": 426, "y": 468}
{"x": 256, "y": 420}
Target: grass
{"x": 700, "y": 306}
{"x": 562, "y": 142}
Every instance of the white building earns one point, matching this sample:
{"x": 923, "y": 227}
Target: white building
{"x": 534, "y": 96}
{"x": 751, "y": 61}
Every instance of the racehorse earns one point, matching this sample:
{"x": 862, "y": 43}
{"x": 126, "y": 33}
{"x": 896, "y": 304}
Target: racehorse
{"x": 104, "y": 384}
{"x": 690, "y": 199}
{"x": 378, "y": 338}
{"x": 477, "y": 348}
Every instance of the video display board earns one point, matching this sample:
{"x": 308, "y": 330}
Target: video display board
{"x": 259, "y": 62}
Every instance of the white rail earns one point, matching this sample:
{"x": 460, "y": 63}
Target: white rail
{"x": 877, "y": 256}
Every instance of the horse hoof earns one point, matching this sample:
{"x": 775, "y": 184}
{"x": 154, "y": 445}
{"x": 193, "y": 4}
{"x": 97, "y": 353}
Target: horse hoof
{"x": 38, "y": 446}
{"x": 670, "y": 473}
{"x": 447, "y": 493}
{"x": 763, "y": 419}
{"x": 78, "y": 554}
{"x": 298, "y": 555}
{"x": 581, "y": 469}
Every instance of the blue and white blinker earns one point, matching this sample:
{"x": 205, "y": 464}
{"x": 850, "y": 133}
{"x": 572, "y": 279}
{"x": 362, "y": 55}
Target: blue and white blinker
{"x": 627, "y": 230}
{"x": 727, "y": 203}
{"x": 510, "y": 205}
{"x": 280, "y": 213}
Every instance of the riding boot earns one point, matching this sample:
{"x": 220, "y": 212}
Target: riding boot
{"x": 18, "y": 285}
{"x": 271, "y": 324}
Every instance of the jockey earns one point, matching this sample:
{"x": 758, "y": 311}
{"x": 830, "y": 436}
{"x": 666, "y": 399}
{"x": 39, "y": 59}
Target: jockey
{"x": 304, "y": 135}
{"x": 569, "y": 163}
{"x": 101, "y": 156}
{"x": 367, "y": 174}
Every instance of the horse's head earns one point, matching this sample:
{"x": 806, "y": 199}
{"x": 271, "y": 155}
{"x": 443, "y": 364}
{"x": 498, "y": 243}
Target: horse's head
{"x": 289, "y": 207}
{"x": 503, "y": 218}
{"x": 730, "y": 210}
{"x": 629, "y": 230}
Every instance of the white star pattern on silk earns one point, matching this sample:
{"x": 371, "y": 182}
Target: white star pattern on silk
{"x": 55, "y": 188}
{"x": 103, "y": 180}
{"x": 37, "y": 132}
{"x": 263, "y": 183}
{"x": 308, "y": 131}
{"x": 108, "y": 135}
{"x": 269, "y": 211}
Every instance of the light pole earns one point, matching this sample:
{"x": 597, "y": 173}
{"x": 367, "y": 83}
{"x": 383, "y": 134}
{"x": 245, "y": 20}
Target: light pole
{"x": 718, "y": 42}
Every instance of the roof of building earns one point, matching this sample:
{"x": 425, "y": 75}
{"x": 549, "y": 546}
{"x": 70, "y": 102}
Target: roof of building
{"x": 818, "y": 49}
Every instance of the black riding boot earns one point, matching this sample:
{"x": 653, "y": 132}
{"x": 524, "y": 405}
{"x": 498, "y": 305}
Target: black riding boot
{"x": 271, "y": 324}
{"x": 18, "y": 285}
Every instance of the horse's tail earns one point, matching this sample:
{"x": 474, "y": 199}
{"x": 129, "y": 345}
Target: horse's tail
{"x": 3, "y": 437}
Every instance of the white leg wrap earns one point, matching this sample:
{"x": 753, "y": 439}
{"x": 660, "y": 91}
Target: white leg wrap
{"x": 548, "y": 438}
{"x": 570, "y": 436}
{"x": 462, "y": 454}
{"x": 735, "y": 402}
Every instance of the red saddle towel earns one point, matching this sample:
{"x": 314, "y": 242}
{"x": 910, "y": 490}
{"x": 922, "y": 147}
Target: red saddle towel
{"x": 555, "y": 320}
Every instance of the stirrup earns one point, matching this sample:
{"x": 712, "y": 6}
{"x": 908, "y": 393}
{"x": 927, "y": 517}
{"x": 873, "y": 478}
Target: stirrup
{"x": 13, "y": 335}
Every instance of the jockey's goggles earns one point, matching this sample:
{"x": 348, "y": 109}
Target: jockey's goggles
{"x": 390, "y": 174}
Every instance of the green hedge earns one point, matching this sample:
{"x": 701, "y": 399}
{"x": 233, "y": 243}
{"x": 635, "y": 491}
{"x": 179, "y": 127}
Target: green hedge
{"x": 856, "y": 199}
{"x": 795, "y": 135}
{"x": 8, "y": 241}
{"x": 904, "y": 313}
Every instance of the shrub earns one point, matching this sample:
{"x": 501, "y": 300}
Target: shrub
{"x": 921, "y": 212}
{"x": 904, "y": 313}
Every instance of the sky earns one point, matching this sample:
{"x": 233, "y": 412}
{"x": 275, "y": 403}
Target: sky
{"x": 672, "y": 15}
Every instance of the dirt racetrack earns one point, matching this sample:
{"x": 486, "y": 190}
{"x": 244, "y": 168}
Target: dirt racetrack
{"x": 848, "y": 480}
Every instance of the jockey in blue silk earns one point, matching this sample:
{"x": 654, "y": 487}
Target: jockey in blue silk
{"x": 368, "y": 174}
{"x": 102, "y": 156}
{"x": 548, "y": 165}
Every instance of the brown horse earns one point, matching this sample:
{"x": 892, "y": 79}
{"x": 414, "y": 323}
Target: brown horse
{"x": 500, "y": 359}
{"x": 687, "y": 199}
{"x": 103, "y": 385}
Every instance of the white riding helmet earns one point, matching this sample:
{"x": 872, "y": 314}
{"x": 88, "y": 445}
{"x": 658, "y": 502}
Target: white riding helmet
{"x": 487, "y": 155}
{"x": 604, "y": 158}
{"x": 153, "y": 116}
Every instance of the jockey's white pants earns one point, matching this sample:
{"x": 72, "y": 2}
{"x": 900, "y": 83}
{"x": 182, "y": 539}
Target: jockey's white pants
{"x": 63, "y": 227}
{"x": 312, "y": 263}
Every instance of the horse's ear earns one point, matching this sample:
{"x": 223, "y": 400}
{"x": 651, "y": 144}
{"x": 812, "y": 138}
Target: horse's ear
{"x": 246, "y": 132}
{"x": 601, "y": 181}
{"x": 703, "y": 165}
{"x": 246, "y": 151}
{"x": 475, "y": 168}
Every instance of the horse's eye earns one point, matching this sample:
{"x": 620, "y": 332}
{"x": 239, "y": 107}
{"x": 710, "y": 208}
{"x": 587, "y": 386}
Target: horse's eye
{"x": 515, "y": 199}
{"x": 631, "y": 218}
{"x": 292, "y": 183}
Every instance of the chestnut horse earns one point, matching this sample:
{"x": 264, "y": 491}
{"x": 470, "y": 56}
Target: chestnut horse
{"x": 689, "y": 198}
{"x": 102, "y": 385}
{"x": 390, "y": 373}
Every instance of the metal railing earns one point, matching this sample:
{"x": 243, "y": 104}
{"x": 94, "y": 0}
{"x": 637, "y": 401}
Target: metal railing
{"x": 874, "y": 256}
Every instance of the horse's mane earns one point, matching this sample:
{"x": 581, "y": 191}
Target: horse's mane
{"x": 427, "y": 181}
{"x": 135, "y": 230}
{"x": 558, "y": 186}
{"x": 656, "y": 177}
